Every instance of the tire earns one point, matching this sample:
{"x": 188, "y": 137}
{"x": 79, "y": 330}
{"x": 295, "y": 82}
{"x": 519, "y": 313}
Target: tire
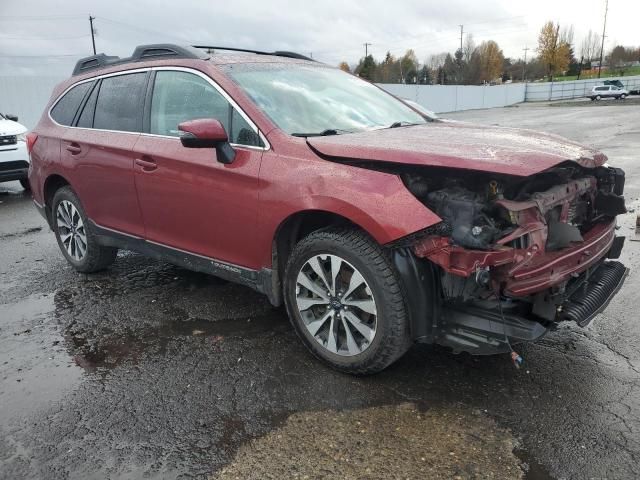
{"x": 95, "y": 256}
{"x": 623, "y": 96}
{"x": 598, "y": 97}
{"x": 25, "y": 184}
{"x": 387, "y": 330}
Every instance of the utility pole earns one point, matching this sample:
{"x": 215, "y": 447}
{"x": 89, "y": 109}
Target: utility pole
{"x": 604, "y": 29}
{"x": 366, "y": 49}
{"x": 93, "y": 39}
{"x": 461, "y": 33}
{"x": 524, "y": 65}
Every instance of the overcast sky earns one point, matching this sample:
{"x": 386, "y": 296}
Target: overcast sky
{"x": 332, "y": 30}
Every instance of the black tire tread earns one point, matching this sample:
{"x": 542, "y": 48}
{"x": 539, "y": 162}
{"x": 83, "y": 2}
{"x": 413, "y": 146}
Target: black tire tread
{"x": 397, "y": 339}
{"x": 98, "y": 257}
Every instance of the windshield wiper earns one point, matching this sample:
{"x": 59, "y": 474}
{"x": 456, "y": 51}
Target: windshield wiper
{"x": 402, "y": 124}
{"x": 324, "y": 133}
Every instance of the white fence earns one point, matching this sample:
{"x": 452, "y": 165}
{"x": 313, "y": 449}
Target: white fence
{"x": 540, "y": 92}
{"x": 26, "y": 96}
{"x": 451, "y": 98}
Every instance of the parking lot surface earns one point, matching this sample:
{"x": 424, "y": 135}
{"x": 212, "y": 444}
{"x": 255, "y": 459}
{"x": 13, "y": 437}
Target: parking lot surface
{"x": 147, "y": 370}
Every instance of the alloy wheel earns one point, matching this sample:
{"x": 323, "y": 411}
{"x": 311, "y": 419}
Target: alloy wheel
{"x": 71, "y": 230}
{"x": 336, "y": 305}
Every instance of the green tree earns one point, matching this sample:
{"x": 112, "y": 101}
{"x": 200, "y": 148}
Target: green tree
{"x": 366, "y": 68}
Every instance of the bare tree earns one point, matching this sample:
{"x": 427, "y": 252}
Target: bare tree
{"x": 566, "y": 35}
{"x": 590, "y": 47}
{"x": 468, "y": 48}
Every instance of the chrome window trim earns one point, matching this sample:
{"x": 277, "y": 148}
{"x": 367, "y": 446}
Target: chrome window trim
{"x": 219, "y": 89}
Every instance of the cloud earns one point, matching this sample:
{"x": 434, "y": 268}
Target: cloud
{"x": 35, "y": 33}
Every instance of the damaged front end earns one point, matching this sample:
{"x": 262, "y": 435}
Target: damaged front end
{"x": 512, "y": 256}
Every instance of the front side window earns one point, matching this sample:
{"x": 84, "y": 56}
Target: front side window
{"x": 119, "y": 103}
{"x": 66, "y": 108}
{"x": 315, "y": 99}
{"x": 182, "y": 96}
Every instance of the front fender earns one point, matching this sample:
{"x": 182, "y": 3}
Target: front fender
{"x": 376, "y": 201}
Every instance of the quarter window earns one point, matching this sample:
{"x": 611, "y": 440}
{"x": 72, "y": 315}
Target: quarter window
{"x": 66, "y": 108}
{"x": 181, "y": 96}
{"x": 119, "y": 104}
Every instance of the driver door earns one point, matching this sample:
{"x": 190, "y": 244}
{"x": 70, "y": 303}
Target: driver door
{"x": 190, "y": 201}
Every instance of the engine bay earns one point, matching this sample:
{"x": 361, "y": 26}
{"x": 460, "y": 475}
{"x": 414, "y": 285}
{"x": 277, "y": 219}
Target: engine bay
{"x": 482, "y": 211}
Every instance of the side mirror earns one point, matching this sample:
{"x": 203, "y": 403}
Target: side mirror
{"x": 10, "y": 116}
{"x": 207, "y": 133}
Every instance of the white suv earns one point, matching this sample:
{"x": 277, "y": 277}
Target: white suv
{"x": 14, "y": 160}
{"x": 607, "y": 91}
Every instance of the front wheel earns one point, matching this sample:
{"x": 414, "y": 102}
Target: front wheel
{"x": 623, "y": 96}
{"x": 345, "y": 302}
{"x": 75, "y": 238}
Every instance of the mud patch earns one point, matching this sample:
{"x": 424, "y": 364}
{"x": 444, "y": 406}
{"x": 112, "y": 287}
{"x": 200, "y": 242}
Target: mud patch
{"x": 382, "y": 442}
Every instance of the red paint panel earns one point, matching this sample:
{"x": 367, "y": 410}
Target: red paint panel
{"x": 461, "y": 146}
{"x": 192, "y": 202}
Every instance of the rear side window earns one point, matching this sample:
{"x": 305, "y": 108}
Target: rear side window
{"x": 86, "y": 117}
{"x": 66, "y": 108}
{"x": 119, "y": 103}
{"x": 602, "y": 88}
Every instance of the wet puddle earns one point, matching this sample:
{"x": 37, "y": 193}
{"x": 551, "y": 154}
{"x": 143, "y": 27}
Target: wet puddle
{"x": 35, "y": 368}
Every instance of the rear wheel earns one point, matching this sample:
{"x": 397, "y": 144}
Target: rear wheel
{"x": 75, "y": 238}
{"x": 598, "y": 97}
{"x": 623, "y": 96}
{"x": 345, "y": 301}
{"x": 25, "y": 184}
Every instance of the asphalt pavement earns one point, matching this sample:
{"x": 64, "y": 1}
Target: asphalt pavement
{"x": 147, "y": 370}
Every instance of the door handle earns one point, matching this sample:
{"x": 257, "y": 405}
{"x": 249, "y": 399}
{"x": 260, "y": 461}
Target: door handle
{"x": 74, "y": 148}
{"x": 146, "y": 163}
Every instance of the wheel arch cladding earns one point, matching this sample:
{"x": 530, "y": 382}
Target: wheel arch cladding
{"x": 51, "y": 185}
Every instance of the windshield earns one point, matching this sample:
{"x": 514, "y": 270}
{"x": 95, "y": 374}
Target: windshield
{"x": 303, "y": 99}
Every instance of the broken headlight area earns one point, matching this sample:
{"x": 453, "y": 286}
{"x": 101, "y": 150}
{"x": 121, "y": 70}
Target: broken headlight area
{"x": 511, "y": 224}
{"x": 515, "y": 256}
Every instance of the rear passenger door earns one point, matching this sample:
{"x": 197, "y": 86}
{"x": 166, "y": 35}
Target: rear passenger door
{"x": 189, "y": 200}
{"x": 99, "y": 151}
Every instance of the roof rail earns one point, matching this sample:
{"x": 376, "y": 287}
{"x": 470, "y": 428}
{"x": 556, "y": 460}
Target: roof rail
{"x": 258, "y": 52}
{"x": 141, "y": 53}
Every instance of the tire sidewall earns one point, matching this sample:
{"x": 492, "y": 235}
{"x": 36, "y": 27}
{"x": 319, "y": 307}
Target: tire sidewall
{"x": 67, "y": 194}
{"x": 383, "y": 327}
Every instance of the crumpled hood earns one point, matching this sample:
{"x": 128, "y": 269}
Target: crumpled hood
{"x": 460, "y": 145}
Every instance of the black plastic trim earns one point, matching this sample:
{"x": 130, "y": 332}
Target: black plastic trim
{"x": 254, "y": 279}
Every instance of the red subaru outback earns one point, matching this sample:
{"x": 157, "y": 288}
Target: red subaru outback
{"x": 375, "y": 225}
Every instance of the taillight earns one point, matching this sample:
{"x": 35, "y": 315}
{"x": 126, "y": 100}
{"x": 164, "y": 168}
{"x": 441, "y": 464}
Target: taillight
{"x": 31, "y": 141}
